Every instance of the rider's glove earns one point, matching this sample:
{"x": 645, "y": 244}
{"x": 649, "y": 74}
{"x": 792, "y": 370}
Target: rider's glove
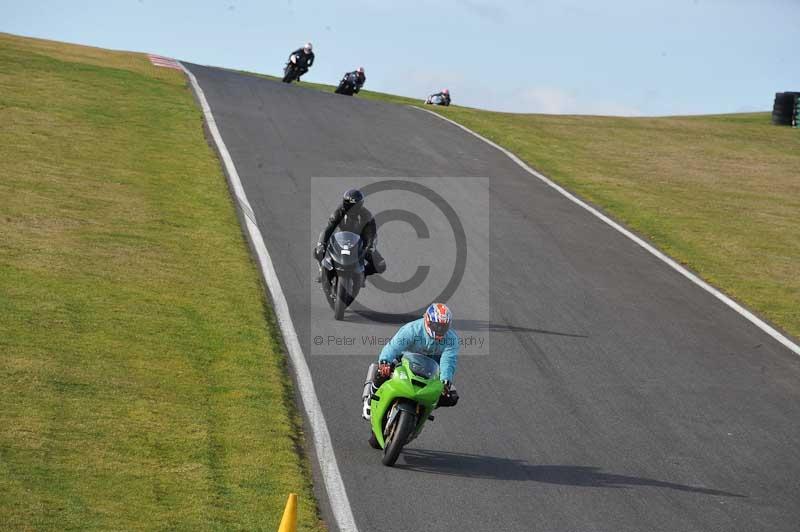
{"x": 319, "y": 251}
{"x": 384, "y": 369}
{"x": 449, "y": 395}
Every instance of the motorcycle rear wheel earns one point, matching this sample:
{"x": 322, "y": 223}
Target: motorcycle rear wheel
{"x": 373, "y": 441}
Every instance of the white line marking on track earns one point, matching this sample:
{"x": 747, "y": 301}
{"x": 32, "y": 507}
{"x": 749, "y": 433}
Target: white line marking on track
{"x": 334, "y": 485}
{"x": 758, "y": 322}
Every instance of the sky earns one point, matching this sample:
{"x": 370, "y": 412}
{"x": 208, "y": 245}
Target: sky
{"x": 615, "y": 57}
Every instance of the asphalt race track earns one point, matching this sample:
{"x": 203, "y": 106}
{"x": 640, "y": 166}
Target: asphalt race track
{"x": 611, "y": 394}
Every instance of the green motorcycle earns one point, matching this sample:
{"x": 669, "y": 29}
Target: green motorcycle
{"x": 402, "y": 405}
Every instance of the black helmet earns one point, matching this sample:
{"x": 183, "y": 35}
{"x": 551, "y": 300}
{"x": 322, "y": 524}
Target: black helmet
{"x": 352, "y": 198}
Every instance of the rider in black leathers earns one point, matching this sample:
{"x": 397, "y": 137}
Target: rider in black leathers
{"x": 303, "y": 58}
{"x": 356, "y": 77}
{"x": 352, "y": 216}
{"x": 361, "y": 78}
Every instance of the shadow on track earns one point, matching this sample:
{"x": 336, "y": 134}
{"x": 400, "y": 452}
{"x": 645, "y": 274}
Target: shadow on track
{"x": 491, "y": 467}
{"x": 482, "y": 326}
{"x": 368, "y": 316}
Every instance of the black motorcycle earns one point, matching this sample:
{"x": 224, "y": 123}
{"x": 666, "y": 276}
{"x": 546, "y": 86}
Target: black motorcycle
{"x": 293, "y": 71}
{"x": 349, "y": 84}
{"x": 343, "y": 269}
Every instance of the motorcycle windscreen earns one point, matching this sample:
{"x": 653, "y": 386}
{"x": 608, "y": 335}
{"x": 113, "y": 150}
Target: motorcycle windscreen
{"x": 421, "y": 365}
{"x": 345, "y": 248}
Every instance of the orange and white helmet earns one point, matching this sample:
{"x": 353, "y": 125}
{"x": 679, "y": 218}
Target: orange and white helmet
{"x": 437, "y": 320}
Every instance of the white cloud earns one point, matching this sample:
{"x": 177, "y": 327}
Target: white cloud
{"x": 552, "y": 100}
{"x": 546, "y": 100}
{"x": 486, "y": 11}
{"x": 420, "y": 83}
{"x": 539, "y": 99}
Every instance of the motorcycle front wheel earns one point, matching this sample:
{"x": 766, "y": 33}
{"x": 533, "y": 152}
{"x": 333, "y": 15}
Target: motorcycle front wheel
{"x": 328, "y": 288}
{"x": 340, "y": 304}
{"x": 398, "y": 436}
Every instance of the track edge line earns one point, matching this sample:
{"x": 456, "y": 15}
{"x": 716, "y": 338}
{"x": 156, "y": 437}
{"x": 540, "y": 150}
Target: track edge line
{"x": 334, "y": 484}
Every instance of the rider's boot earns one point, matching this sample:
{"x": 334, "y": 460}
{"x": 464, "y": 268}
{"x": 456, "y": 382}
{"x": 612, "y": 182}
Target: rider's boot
{"x": 366, "y": 411}
{"x": 369, "y": 389}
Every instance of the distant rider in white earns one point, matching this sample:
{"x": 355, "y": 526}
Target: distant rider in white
{"x": 440, "y": 98}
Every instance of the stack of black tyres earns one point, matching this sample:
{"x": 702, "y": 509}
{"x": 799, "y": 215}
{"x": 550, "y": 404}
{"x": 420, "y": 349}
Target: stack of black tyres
{"x": 784, "y": 111}
{"x": 796, "y": 118}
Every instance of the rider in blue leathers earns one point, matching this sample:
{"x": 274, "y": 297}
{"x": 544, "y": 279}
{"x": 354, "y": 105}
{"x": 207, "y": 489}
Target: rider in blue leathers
{"x": 430, "y": 335}
{"x": 412, "y": 337}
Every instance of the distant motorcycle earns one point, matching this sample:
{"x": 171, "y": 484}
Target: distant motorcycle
{"x": 293, "y": 70}
{"x": 436, "y": 99}
{"x": 343, "y": 271}
{"x": 349, "y": 84}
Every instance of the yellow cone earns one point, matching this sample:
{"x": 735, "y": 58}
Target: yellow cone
{"x": 289, "y": 520}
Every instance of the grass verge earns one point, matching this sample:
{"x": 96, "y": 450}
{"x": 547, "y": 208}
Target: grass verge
{"x": 720, "y": 194}
{"x": 143, "y": 385}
